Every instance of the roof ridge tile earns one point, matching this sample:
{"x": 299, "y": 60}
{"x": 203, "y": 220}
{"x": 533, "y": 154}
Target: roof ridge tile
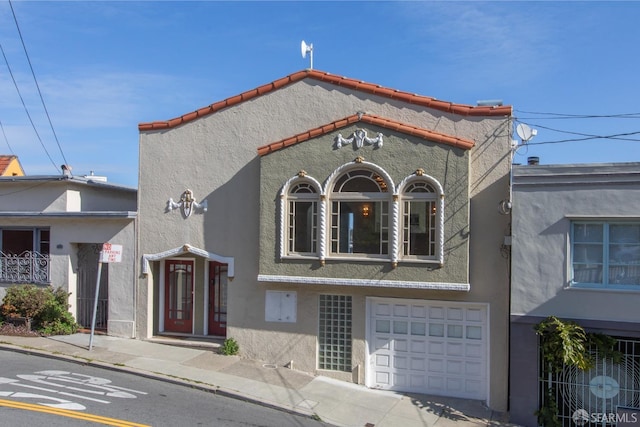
{"x": 359, "y": 85}
{"x": 372, "y": 119}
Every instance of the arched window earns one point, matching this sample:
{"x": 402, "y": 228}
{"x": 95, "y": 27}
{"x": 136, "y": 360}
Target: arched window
{"x": 300, "y": 205}
{"x": 422, "y": 218}
{"x": 360, "y": 203}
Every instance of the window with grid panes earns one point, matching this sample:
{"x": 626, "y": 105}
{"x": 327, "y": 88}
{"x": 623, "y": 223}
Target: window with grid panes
{"x": 419, "y": 221}
{"x": 360, "y": 214}
{"x": 302, "y": 222}
{"x": 605, "y": 254}
{"x": 334, "y": 335}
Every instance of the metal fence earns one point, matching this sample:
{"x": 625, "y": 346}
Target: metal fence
{"x": 28, "y": 267}
{"x": 595, "y": 397}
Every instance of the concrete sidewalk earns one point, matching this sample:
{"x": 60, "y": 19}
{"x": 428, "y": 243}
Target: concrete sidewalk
{"x": 198, "y": 365}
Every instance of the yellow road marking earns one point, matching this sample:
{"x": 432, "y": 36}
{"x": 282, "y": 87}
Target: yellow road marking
{"x": 70, "y": 414}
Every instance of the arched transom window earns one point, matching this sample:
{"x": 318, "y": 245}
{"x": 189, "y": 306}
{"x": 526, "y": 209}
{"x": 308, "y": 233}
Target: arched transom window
{"x": 358, "y": 214}
{"x": 302, "y": 219}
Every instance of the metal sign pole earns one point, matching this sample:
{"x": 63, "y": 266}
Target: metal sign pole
{"x": 95, "y": 303}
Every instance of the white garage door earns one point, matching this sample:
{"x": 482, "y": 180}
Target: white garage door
{"x": 430, "y": 347}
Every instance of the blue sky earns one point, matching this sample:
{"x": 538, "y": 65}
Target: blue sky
{"x": 103, "y": 67}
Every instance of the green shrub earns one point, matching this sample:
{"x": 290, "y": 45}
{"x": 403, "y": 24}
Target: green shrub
{"x": 230, "y": 347}
{"x": 46, "y": 307}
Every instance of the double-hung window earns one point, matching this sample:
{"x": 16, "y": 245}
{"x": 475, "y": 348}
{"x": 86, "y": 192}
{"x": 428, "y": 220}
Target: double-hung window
{"x": 605, "y": 254}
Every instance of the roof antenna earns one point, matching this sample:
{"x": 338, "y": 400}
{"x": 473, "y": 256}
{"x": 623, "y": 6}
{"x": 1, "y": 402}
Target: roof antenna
{"x": 304, "y": 48}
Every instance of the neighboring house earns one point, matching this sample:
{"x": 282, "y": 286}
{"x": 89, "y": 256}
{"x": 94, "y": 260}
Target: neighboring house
{"x": 52, "y": 229}
{"x": 10, "y": 166}
{"x": 337, "y": 227}
{"x": 576, "y": 256}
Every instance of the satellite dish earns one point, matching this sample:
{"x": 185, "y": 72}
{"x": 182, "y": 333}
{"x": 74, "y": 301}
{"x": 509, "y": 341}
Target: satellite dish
{"x": 304, "y": 48}
{"x": 525, "y": 132}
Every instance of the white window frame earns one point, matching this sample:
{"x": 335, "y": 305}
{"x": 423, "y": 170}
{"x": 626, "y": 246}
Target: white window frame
{"x": 605, "y": 279}
{"x": 395, "y": 221}
{"x": 287, "y": 231}
{"x": 437, "y": 234}
{"x": 381, "y": 199}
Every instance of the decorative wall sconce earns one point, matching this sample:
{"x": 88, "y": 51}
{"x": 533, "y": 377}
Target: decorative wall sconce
{"x": 360, "y": 138}
{"x": 365, "y": 210}
{"x": 187, "y": 203}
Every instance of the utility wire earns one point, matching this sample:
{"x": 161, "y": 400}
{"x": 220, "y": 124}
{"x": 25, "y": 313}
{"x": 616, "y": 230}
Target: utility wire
{"x": 25, "y": 108}
{"x": 36, "y": 82}
{"x": 587, "y": 136}
{"x": 580, "y": 116}
{"x": 5, "y": 138}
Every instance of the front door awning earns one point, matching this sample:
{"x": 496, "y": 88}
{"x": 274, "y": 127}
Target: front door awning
{"x": 186, "y": 248}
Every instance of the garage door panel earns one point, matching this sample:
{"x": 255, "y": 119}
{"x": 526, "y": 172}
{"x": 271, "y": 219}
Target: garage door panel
{"x": 400, "y": 310}
{"x": 382, "y": 309}
{"x": 474, "y": 350}
{"x": 418, "y": 346}
{"x": 401, "y": 362}
{"x": 418, "y": 364}
{"x": 430, "y": 347}
{"x": 401, "y": 345}
{"x": 435, "y": 365}
{"x": 382, "y": 343}
{"x": 436, "y": 347}
{"x": 473, "y": 369}
{"x": 383, "y": 378}
{"x": 454, "y": 313}
{"x": 383, "y": 360}
{"x": 418, "y": 311}
{"x": 455, "y": 349}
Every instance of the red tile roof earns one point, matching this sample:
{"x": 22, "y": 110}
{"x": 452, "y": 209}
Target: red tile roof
{"x": 370, "y": 119}
{"x": 5, "y": 161}
{"x": 424, "y": 101}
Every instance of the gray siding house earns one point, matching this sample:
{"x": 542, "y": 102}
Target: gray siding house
{"x": 52, "y": 229}
{"x": 336, "y": 227}
{"x": 576, "y": 256}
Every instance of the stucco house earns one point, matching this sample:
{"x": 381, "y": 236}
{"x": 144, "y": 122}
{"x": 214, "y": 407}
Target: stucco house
{"x": 576, "y": 256}
{"x": 52, "y": 229}
{"x": 337, "y": 227}
{"x": 10, "y": 166}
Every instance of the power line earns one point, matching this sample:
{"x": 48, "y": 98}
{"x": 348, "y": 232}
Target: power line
{"x": 5, "y": 138}
{"x": 15, "y": 19}
{"x": 25, "y": 108}
{"x": 585, "y": 136}
{"x": 553, "y": 116}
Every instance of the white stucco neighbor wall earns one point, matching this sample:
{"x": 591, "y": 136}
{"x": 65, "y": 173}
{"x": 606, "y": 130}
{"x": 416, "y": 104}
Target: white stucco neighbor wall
{"x": 216, "y": 158}
{"x": 77, "y": 211}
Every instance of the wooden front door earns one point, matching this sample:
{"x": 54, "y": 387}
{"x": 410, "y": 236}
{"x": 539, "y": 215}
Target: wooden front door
{"x": 178, "y": 296}
{"x": 217, "y": 299}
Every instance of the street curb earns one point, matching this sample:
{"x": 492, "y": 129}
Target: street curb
{"x": 210, "y": 388}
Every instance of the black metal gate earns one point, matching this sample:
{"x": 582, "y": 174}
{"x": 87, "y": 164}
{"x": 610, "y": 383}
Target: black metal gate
{"x": 88, "y": 255}
{"x": 595, "y": 397}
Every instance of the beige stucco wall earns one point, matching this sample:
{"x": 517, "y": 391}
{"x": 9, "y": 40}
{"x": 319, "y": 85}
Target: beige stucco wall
{"x": 215, "y": 156}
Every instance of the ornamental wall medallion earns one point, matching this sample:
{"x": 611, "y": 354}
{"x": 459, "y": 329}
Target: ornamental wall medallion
{"x": 187, "y": 203}
{"x": 359, "y": 139}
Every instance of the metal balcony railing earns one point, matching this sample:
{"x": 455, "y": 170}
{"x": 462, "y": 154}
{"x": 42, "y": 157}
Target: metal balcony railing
{"x": 28, "y": 267}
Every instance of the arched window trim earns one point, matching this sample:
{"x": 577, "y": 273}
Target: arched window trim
{"x": 388, "y": 196}
{"x": 395, "y": 196}
{"x": 285, "y": 197}
{"x": 420, "y": 176}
